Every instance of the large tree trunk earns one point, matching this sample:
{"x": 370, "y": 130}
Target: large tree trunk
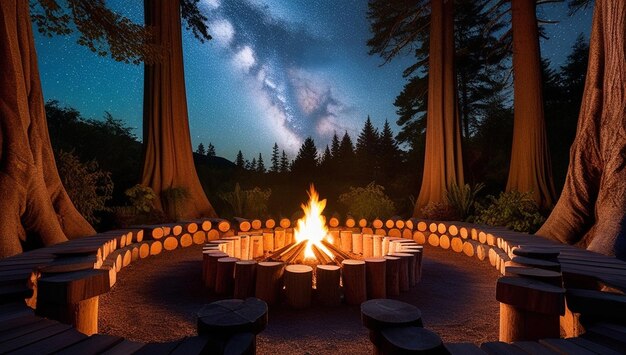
{"x": 35, "y": 210}
{"x": 168, "y": 153}
{"x": 530, "y": 168}
{"x": 443, "y": 162}
{"x": 592, "y": 207}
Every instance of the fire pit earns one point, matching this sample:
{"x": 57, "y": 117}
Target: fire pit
{"x": 311, "y": 259}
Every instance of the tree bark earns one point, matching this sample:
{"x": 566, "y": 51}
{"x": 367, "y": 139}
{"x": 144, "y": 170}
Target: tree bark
{"x": 35, "y": 209}
{"x": 592, "y": 208}
{"x": 530, "y": 168}
{"x": 443, "y": 162}
{"x": 168, "y": 157}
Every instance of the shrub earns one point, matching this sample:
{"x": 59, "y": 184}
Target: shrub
{"x": 439, "y": 211}
{"x": 514, "y": 210}
{"x": 141, "y": 198}
{"x": 368, "y": 202}
{"x": 462, "y": 199}
{"x": 247, "y": 203}
{"x": 88, "y": 187}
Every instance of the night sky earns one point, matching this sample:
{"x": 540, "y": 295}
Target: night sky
{"x": 276, "y": 71}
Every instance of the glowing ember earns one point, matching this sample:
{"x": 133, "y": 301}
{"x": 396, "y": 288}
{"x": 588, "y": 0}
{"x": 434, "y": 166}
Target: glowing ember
{"x": 312, "y": 227}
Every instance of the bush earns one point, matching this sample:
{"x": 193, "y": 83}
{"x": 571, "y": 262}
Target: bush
{"x": 141, "y": 198}
{"x": 247, "y": 203}
{"x": 439, "y": 211}
{"x": 462, "y": 199}
{"x": 514, "y": 210}
{"x": 368, "y": 202}
{"x": 88, "y": 187}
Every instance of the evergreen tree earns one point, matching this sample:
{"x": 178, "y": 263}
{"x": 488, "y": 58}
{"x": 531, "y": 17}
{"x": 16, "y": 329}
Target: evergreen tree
{"x": 275, "y": 159}
{"x": 210, "y": 152}
{"x": 346, "y": 150}
{"x": 248, "y": 165}
{"x": 326, "y": 160}
{"x": 306, "y": 161}
{"x": 367, "y": 145}
{"x": 200, "y": 150}
{"x": 253, "y": 165}
{"x": 334, "y": 146}
{"x": 239, "y": 160}
{"x": 284, "y": 163}
{"x": 260, "y": 166}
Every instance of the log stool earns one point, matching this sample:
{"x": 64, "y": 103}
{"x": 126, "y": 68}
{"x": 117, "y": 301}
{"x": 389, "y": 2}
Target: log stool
{"x": 354, "y": 284}
{"x": 529, "y": 309}
{"x": 227, "y": 320}
{"x": 380, "y": 314}
{"x": 269, "y": 281}
{"x": 411, "y": 340}
{"x": 392, "y": 275}
{"x": 224, "y": 277}
{"x": 405, "y": 261}
{"x": 72, "y": 297}
{"x": 375, "y": 276}
{"x": 209, "y": 258}
{"x": 328, "y": 292}
{"x": 245, "y": 279}
{"x": 298, "y": 280}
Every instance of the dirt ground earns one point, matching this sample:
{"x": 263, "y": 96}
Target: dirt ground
{"x": 156, "y": 299}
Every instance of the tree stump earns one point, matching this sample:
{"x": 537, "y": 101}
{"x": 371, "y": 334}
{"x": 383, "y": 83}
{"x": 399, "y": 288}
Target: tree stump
{"x": 210, "y": 269}
{"x": 245, "y": 279}
{"x": 298, "y": 280}
{"x": 413, "y": 266}
{"x": 224, "y": 277}
{"x": 354, "y": 284}
{"x": 529, "y": 309}
{"x": 375, "y": 275}
{"x": 269, "y": 281}
{"x": 327, "y": 286}
{"x": 392, "y": 275}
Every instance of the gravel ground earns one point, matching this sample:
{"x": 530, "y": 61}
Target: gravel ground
{"x": 156, "y": 300}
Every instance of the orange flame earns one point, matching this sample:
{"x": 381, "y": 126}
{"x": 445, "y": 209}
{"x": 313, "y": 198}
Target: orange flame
{"x": 312, "y": 227}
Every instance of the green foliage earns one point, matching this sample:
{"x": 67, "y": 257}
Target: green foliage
{"x": 368, "y": 202}
{"x": 88, "y": 187}
{"x": 514, "y": 210}
{"x": 248, "y": 203}
{"x": 141, "y": 198}
{"x": 462, "y": 199}
{"x": 439, "y": 211}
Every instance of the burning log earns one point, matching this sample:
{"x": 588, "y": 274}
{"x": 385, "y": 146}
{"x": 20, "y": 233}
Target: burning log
{"x": 294, "y": 253}
{"x": 336, "y": 250}
{"x": 298, "y": 280}
{"x": 375, "y": 275}
{"x": 245, "y": 279}
{"x": 224, "y": 281}
{"x": 321, "y": 256}
{"x": 277, "y": 255}
{"x": 354, "y": 284}
{"x": 328, "y": 290}
{"x": 269, "y": 281}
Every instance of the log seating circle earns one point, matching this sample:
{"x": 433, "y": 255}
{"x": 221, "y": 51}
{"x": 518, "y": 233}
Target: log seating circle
{"x": 590, "y": 280}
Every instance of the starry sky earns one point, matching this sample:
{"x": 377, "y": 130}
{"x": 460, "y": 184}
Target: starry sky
{"x": 275, "y": 71}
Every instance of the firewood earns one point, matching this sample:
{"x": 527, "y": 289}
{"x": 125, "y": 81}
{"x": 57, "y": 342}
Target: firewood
{"x": 464, "y": 232}
{"x": 357, "y": 243}
{"x": 419, "y": 237}
{"x": 334, "y": 221}
{"x": 328, "y": 292}
{"x": 433, "y": 239}
{"x": 392, "y": 275}
{"x": 394, "y": 232}
{"x": 368, "y": 245}
{"x": 354, "y": 281}
{"x": 457, "y": 244}
{"x": 367, "y": 230}
{"x": 407, "y": 233}
{"x": 170, "y": 243}
{"x": 186, "y": 240}
{"x": 256, "y": 224}
{"x": 285, "y": 223}
{"x": 242, "y": 224}
{"x": 377, "y": 223}
{"x": 380, "y": 231}
{"x": 156, "y": 247}
{"x": 453, "y": 230}
{"x": 482, "y": 252}
{"x": 298, "y": 281}
{"x": 432, "y": 227}
{"x": 144, "y": 250}
{"x": 269, "y": 281}
{"x": 199, "y": 237}
{"x": 245, "y": 279}
{"x": 221, "y": 225}
{"x": 375, "y": 275}
{"x": 346, "y": 241}
{"x": 213, "y": 234}
{"x": 390, "y": 223}
{"x": 421, "y": 226}
{"x": 350, "y": 222}
{"x": 335, "y": 250}
{"x": 321, "y": 256}
{"x": 469, "y": 247}
{"x": 444, "y": 241}
{"x": 482, "y": 237}
{"x": 362, "y": 222}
